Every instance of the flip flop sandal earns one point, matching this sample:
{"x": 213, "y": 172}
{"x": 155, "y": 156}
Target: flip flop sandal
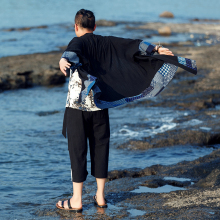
{"x": 100, "y": 206}
{"x": 69, "y": 207}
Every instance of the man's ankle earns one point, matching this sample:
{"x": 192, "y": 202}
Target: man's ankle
{"x": 100, "y": 194}
{"x": 77, "y": 197}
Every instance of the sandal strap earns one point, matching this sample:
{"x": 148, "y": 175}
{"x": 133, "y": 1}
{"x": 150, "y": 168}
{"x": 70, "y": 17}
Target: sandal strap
{"x": 69, "y": 205}
{"x": 62, "y": 203}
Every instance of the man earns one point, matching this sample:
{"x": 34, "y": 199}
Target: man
{"x": 104, "y": 72}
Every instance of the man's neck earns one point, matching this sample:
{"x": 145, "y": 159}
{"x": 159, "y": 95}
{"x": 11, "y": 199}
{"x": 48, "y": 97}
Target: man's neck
{"x": 85, "y": 31}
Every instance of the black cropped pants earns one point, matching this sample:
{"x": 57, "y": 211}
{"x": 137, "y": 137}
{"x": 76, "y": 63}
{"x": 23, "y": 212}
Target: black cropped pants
{"x": 94, "y": 126}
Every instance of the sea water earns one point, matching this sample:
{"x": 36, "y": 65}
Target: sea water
{"x": 58, "y": 18}
{"x": 34, "y": 160}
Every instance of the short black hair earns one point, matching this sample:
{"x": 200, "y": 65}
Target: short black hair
{"x": 85, "y": 18}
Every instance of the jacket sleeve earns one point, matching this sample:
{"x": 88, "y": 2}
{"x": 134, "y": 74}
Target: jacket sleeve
{"x": 71, "y": 57}
{"x": 146, "y": 48}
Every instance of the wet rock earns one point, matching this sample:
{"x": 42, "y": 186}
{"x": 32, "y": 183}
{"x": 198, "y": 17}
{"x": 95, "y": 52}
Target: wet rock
{"x": 216, "y": 101}
{"x": 26, "y": 28}
{"x": 42, "y": 27}
{"x": 10, "y": 29}
{"x": 213, "y": 179}
{"x": 172, "y": 138}
{"x": 195, "y": 202}
{"x": 167, "y": 14}
{"x": 47, "y": 113}
{"x": 9, "y": 40}
{"x": 165, "y": 31}
{"x": 197, "y": 170}
{"x": 28, "y": 70}
{"x": 205, "y": 20}
{"x": 155, "y": 183}
{"x": 52, "y": 77}
{"x": 106, "y": 23}
{"x": 133, "y": 172}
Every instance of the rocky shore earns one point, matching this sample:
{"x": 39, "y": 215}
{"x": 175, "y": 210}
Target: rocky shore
{"x": 189, "y": 189}
{"x": 140, "y": 193}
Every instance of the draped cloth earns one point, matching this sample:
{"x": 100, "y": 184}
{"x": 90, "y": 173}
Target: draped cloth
{"x": 119, "y": 71}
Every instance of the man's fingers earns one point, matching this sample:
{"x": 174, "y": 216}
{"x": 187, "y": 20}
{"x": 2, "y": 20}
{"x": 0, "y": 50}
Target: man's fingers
{"x": 63, "y": 71}
{"x": 167, "y": 53}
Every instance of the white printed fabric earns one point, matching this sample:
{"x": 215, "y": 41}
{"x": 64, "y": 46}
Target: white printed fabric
{"x": 74, "y": 92}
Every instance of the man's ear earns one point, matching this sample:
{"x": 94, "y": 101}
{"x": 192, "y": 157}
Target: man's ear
{"x": 94, "y": 27}
{"x": 76, "y": 27}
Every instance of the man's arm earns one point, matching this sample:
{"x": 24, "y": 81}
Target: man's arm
{"x": 69, "y": 59}
{"x": 149, "y": 48}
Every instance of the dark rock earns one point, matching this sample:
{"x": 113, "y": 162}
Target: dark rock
{"x": 10, "y": 29}
{"x": 28, "y": 70}
{"x": 53, "y": 77}
{"x": 213, "y": 179}
{"x": 42, "y": 26}
{"x": 24, "y": 29}
{"x": 155, "y": 183}
{"x": 172, "y": 138}
{"x": 133, "y": 172}
{"x": 12, "y": 39}
{"x": 216, "y": 101}
{"x": 148, "y": 36}
{"x": 209, "y": 105}
{"x": 106, "y": 23}
{"x": 205, "y": 20}
{"x": 47, "y": 113}
{"x": 195, "y": 19}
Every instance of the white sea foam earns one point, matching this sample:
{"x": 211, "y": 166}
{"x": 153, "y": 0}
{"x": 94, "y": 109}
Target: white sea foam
{"x": 162, "y": 189}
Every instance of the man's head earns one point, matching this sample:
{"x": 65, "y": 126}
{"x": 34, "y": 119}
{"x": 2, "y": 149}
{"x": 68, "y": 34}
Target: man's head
{"x": 84, "y": 22}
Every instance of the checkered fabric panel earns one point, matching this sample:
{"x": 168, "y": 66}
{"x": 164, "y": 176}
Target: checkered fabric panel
{"x": 182, "y": 60}
{"x": 155, "y": 91}
{"x": 170, "y": 74}
{"x": 188, "y": 63}
{"x": 103, "y": 104}
{"x": 145, "y": 46}
{"x": 143, "y": 94}
{"x": 194, "y": 64}
{"x": 164, "y": 69}
{"x": 160, "y": 81}
{"x": 158, "y": 78}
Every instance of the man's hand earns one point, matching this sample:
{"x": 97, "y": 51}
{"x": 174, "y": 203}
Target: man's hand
{"x": 64, "y": 65}
{"x": 165, "y": 51}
